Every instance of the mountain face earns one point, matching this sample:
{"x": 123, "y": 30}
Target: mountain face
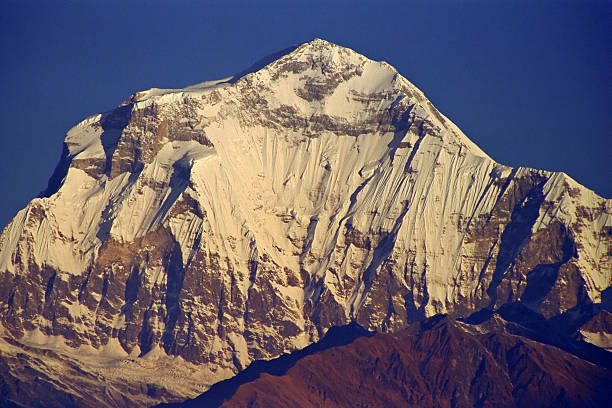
{"x": 189, "y": 232}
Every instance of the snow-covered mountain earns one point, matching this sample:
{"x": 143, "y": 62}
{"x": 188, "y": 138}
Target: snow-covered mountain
{"x": 189, "y": 232}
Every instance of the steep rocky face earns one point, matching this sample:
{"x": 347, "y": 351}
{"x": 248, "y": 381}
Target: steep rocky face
{"x": 598, "y": 330}
{"x": 439, "y": 363}
{"x": 197, "y": 230}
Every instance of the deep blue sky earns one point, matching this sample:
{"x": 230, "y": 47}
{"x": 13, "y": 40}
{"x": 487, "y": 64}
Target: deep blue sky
{"x": 528, "y": 81}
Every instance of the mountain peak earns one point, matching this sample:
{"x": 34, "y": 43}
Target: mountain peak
{"x": 321, "y": 42}
{"x": 320, "y": 45}
{"x": 315, "y": 53}
{"x": 321, "y": 75}
{"x": 324, "y": 54}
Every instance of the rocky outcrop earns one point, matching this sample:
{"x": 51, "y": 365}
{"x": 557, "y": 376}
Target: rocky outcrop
{"x": 200, "y": 229}
{"x": 598, "y": 330}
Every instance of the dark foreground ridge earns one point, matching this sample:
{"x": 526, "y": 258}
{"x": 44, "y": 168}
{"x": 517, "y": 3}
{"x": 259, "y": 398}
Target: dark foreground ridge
{"x": 439, "y": 362}
{"x": 223, "y": 391}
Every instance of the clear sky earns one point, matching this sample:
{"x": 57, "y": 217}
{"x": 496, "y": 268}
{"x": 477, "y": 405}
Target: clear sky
{"x": 528, "y": 81}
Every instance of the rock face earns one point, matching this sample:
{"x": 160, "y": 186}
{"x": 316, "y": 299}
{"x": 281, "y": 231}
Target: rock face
{"x": 598, "y": 330}
{"x": 189, "y": 232}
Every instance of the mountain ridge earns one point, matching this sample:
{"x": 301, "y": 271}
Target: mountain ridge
{"x": 437, "y": 362}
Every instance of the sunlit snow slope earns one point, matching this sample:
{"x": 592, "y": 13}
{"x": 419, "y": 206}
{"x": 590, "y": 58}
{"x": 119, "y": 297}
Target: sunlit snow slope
{"x": 198, "y": 229}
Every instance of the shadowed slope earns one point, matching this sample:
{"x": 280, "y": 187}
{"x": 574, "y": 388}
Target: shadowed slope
{"x": 221, "y": 392}
{"x": 437, "y": 363}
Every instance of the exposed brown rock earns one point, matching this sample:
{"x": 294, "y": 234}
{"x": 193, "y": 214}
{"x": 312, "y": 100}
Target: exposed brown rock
{"x": 437, "y": 363}
{"x": 600, "y": 323}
